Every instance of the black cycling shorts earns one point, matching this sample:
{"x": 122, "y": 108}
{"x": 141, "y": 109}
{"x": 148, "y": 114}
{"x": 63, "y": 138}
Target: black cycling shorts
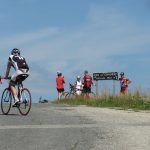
{"x": 60, "y": 90}
{"x": 86, "y": 89}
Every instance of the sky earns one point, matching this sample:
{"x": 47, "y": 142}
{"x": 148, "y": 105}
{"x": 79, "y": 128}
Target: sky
{"x": 76, "y": 35}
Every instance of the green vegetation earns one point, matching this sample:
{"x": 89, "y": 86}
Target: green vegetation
{"x": 132, "y": 101}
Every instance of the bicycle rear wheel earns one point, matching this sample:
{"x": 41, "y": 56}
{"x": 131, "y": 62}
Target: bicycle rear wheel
{"x": 64, "y": 95}
{"x": 25, "y": 102}
{"x": 6, "y": 101}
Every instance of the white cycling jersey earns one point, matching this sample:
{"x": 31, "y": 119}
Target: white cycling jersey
{"x": 19, "y": 64}
{"x": 79, "y": 85}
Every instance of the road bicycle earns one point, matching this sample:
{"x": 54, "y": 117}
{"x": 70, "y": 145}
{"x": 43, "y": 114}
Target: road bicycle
{"x": 73, "y": 93}
{"x": 24, "y": 97}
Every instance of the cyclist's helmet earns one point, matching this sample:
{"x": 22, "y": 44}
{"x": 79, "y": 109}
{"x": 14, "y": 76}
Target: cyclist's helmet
{"x": 122, "y": 73}
{"x": 78, "y": 77}
{"x": 85, "y": 72}
{"x": 59, "y": 73}
{"x": 15, "y": 51}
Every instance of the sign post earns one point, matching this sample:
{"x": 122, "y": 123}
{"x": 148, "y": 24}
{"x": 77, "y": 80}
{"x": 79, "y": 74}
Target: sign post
{"x": 106, "y": 76}
{"x": 114, "y": 87}
{"x": 97, "y": 93}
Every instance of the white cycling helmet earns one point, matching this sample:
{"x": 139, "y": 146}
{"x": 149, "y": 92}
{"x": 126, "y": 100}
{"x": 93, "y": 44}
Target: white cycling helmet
{"x": 78, "y": 77}
{"x": 58, "y": 72}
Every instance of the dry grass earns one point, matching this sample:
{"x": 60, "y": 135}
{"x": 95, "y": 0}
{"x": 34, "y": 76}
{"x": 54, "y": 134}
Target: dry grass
{"x": 135, "y": 100}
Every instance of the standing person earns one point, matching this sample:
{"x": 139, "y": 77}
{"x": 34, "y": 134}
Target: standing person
{"x": 78, "y": 85}
{"x": 87, "y": 82}
{"x": 124, "y": 82}
{"x": 60, "y": 81}
{"x": 20, "y": 65}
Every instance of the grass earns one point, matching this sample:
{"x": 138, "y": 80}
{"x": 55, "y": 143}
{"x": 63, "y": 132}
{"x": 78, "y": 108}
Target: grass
{"x": 131, "y": 101}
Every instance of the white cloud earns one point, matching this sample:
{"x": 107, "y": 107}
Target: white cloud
{"x": 27, "y": 38}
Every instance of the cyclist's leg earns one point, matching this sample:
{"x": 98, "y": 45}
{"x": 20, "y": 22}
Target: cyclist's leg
{"x": 18, "y": 75}
{"x": 60, "y": 93}
{"x": 87, "y": 91}
{"x": 78, "y": 92}
{"x": 12, "y": 85}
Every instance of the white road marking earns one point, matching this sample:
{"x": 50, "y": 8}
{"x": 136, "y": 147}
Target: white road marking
{"x": 48, "y": 126}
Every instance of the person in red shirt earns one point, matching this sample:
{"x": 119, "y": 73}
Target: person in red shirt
{"x": 124, "y": 82}
{"x": 60, "y": 81}
{"x": 87, "y": 82}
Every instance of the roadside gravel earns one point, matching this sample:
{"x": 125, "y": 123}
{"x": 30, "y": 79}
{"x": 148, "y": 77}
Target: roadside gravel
{"x": 122, "y": 130}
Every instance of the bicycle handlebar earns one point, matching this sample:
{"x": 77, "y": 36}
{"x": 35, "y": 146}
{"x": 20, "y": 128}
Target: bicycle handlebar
{"x": 8, "y": 78}
{"x": 1, "y": 78}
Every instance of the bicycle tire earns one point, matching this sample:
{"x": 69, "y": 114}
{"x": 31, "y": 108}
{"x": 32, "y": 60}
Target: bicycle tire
{"x": 6, "y": 101}
{"x": 25, "y": 102}
{"x": 63, "y": 95}
{"x": 72, "y": 95}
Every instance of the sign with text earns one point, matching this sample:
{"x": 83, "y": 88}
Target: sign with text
{"x": 105, "y": 76}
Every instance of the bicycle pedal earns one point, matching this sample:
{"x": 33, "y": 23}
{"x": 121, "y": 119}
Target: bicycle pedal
{"x": 17, "y": 104}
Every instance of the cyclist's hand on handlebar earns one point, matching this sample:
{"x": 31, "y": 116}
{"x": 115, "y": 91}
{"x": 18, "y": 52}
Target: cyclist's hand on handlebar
{"x": 8, "y": 78}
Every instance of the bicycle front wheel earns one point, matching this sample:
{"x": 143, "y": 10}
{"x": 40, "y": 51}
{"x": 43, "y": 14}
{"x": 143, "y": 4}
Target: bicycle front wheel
{"x": 72, "y": 96}
{"x": 6, "y": 101}
{"x": 25, "y": 102}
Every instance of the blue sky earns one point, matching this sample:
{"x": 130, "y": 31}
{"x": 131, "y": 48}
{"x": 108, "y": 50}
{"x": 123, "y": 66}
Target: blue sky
{"x": 74, "y": 35}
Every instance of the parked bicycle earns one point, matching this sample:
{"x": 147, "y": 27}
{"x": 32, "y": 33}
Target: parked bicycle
{"x": 24, "y": 97}
{"x": 73, "y": 93}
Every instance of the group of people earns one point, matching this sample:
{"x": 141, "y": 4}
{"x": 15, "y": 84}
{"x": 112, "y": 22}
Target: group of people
{"x": 80, "y": 85}
{"x": 86, "y": 82}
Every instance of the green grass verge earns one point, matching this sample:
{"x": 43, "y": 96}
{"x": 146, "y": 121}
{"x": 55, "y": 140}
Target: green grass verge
{"x": 135, "y": 102}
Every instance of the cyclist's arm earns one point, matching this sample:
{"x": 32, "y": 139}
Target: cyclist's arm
{"x": 129, "y": 81}
{"x": 27, "y": 67}
{"x": 8, "y": 69}
{"x": 63, "y": 80}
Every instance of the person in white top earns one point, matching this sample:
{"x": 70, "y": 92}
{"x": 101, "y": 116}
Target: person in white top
{"x": 78, "y": 85}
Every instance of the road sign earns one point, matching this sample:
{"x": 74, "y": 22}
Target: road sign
{"x": 105, "y": 76}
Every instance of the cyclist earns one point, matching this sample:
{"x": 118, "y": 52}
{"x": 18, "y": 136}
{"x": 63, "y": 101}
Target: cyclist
{"x": 78, "y": 85}
{"x": 60, "y": 81}
{"x": 87, "y": 82}
{"x": 21, "y": 67}
{"x": 124, "y": 82}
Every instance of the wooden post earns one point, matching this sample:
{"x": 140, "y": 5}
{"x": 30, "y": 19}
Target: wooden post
{"x": 114, "y": 87}
{"x": 97, "y": 93}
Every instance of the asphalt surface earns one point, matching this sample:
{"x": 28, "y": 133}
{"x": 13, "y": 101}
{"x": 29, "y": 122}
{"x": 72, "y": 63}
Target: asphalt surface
{"x": 47, "y": 127}
{"x": 58, "y": 127}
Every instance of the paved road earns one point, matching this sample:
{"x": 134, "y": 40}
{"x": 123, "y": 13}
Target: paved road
{"x": 55, "y": 127}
